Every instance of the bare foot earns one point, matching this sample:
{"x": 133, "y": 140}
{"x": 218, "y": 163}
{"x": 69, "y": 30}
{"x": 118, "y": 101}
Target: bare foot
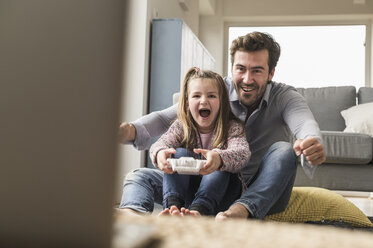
{"x": 127, "y": 212}
{"x": 193, "y": 213}
{"x": 235, "y": 211}
{"x": 173, "y": 211}
{"x": 165, "y": 212}
{"x": 176, "y": 212}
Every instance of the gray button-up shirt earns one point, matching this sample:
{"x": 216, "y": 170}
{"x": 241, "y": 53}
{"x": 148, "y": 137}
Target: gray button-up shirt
{"x": 282, "y": 114}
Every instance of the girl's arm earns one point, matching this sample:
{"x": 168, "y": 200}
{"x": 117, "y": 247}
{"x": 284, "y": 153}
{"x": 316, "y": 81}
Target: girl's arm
{"x": 237, "y": 154}
{"x": 168, "y": 140}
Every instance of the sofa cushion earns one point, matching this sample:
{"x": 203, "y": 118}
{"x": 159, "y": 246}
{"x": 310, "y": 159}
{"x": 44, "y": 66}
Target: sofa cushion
{"x": 347, "y": 148}
{"x": 365, "y": 94}
{"x": 326, "y": 104}
{"x": 359, "y": 118}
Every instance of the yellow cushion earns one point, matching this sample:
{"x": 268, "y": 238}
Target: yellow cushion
{"x": 317, "y": 204}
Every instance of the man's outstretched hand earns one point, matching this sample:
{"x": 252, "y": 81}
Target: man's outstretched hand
{"x": 126, "y": 132}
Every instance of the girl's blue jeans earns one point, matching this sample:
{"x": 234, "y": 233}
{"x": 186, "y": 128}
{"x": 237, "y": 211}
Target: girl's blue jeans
{"x": 268, "y": 193}
{"x": 207, "y": 190}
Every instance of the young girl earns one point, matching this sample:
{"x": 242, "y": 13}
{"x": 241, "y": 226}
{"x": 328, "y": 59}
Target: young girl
{"x": 204, "y": 126}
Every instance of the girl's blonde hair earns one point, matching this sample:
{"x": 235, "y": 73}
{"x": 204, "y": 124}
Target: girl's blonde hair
{"x": 225, "y": 115}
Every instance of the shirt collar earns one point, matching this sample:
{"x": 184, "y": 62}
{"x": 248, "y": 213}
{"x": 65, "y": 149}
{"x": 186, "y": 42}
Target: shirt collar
{"x": 233, "y": 97}
{"x": 266, "y": 94}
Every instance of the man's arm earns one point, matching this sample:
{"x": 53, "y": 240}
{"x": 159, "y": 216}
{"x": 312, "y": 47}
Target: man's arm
{"x": 303, "y": 125}
{"x": 140, "y": 132}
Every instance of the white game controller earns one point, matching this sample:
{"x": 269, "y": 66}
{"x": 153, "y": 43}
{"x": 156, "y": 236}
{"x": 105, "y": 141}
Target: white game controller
{"x": 186, "y": 165}
{"x": 309, "y": 170}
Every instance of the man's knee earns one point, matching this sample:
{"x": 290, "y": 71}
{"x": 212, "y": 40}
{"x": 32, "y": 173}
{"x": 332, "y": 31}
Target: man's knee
{"x": 283, "y": 152}
{"x": 141, "y": 187}
{"x": 135, "y": 174}
{"x": 282, "y": 146}
{"x": 139, "y": 175}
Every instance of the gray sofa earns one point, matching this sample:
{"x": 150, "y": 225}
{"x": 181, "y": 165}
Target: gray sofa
{"x": 348, "y": 164}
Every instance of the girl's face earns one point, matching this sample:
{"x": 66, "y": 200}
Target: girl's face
{"x": 204, "y": 103}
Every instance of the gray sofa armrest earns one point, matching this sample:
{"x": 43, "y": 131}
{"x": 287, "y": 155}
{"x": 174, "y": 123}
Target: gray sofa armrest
{"x": 365, "y": 95}
{"x": 347, "y": 148}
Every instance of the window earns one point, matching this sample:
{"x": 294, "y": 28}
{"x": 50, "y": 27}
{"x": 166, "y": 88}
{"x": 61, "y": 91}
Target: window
{"x": 316, "y": 56}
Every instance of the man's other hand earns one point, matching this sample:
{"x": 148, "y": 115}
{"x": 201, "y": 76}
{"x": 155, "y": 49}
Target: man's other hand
{"x": 127, "y": 132}
{"x": 312, "y": 150}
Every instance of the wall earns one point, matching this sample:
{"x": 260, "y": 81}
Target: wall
{"x": 172, "y": 9}
{"x": 212, "y": 35}
{"x": 235, "y": 8}
{"x": 134, "y": 90}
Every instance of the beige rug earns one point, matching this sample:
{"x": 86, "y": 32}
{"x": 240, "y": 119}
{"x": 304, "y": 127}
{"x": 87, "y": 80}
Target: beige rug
{"x": 174, "y": 232}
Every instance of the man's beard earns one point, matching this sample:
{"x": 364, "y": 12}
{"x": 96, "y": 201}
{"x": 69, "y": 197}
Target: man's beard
{"x": 251, "y": 100}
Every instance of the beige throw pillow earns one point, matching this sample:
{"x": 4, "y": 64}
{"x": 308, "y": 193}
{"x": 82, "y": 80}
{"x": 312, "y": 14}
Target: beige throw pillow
{"x": 359, "y": 118}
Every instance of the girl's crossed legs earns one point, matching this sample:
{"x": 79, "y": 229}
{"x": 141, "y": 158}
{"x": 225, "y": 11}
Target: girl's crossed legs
{"x": 196, "y": 194}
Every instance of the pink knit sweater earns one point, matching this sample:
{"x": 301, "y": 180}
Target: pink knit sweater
{"x": 234, "y": 155}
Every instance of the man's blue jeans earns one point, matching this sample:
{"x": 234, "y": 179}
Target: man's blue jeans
{"x": 267, "y": 193}
{"x": 207, "y": 190}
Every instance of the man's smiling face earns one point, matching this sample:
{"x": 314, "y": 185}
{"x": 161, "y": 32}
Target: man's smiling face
{"x": 250, "y": 73}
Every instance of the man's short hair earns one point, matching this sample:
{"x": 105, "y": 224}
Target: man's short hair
{"x": 257, "y": 41}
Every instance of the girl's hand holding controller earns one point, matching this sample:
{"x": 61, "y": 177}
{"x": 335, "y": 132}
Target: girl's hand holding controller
{"x": 213, "y": 161}
{"x": 162, "y": 162}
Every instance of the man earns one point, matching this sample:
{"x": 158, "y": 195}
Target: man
{"x": 271, "y": 112}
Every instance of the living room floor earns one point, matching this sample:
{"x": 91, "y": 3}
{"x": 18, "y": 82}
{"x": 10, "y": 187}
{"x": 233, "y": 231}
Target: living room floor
{"x": 362, "y": 200}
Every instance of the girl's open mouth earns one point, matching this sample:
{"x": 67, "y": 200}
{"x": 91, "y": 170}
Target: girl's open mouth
{"x": 204, "y": 112}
